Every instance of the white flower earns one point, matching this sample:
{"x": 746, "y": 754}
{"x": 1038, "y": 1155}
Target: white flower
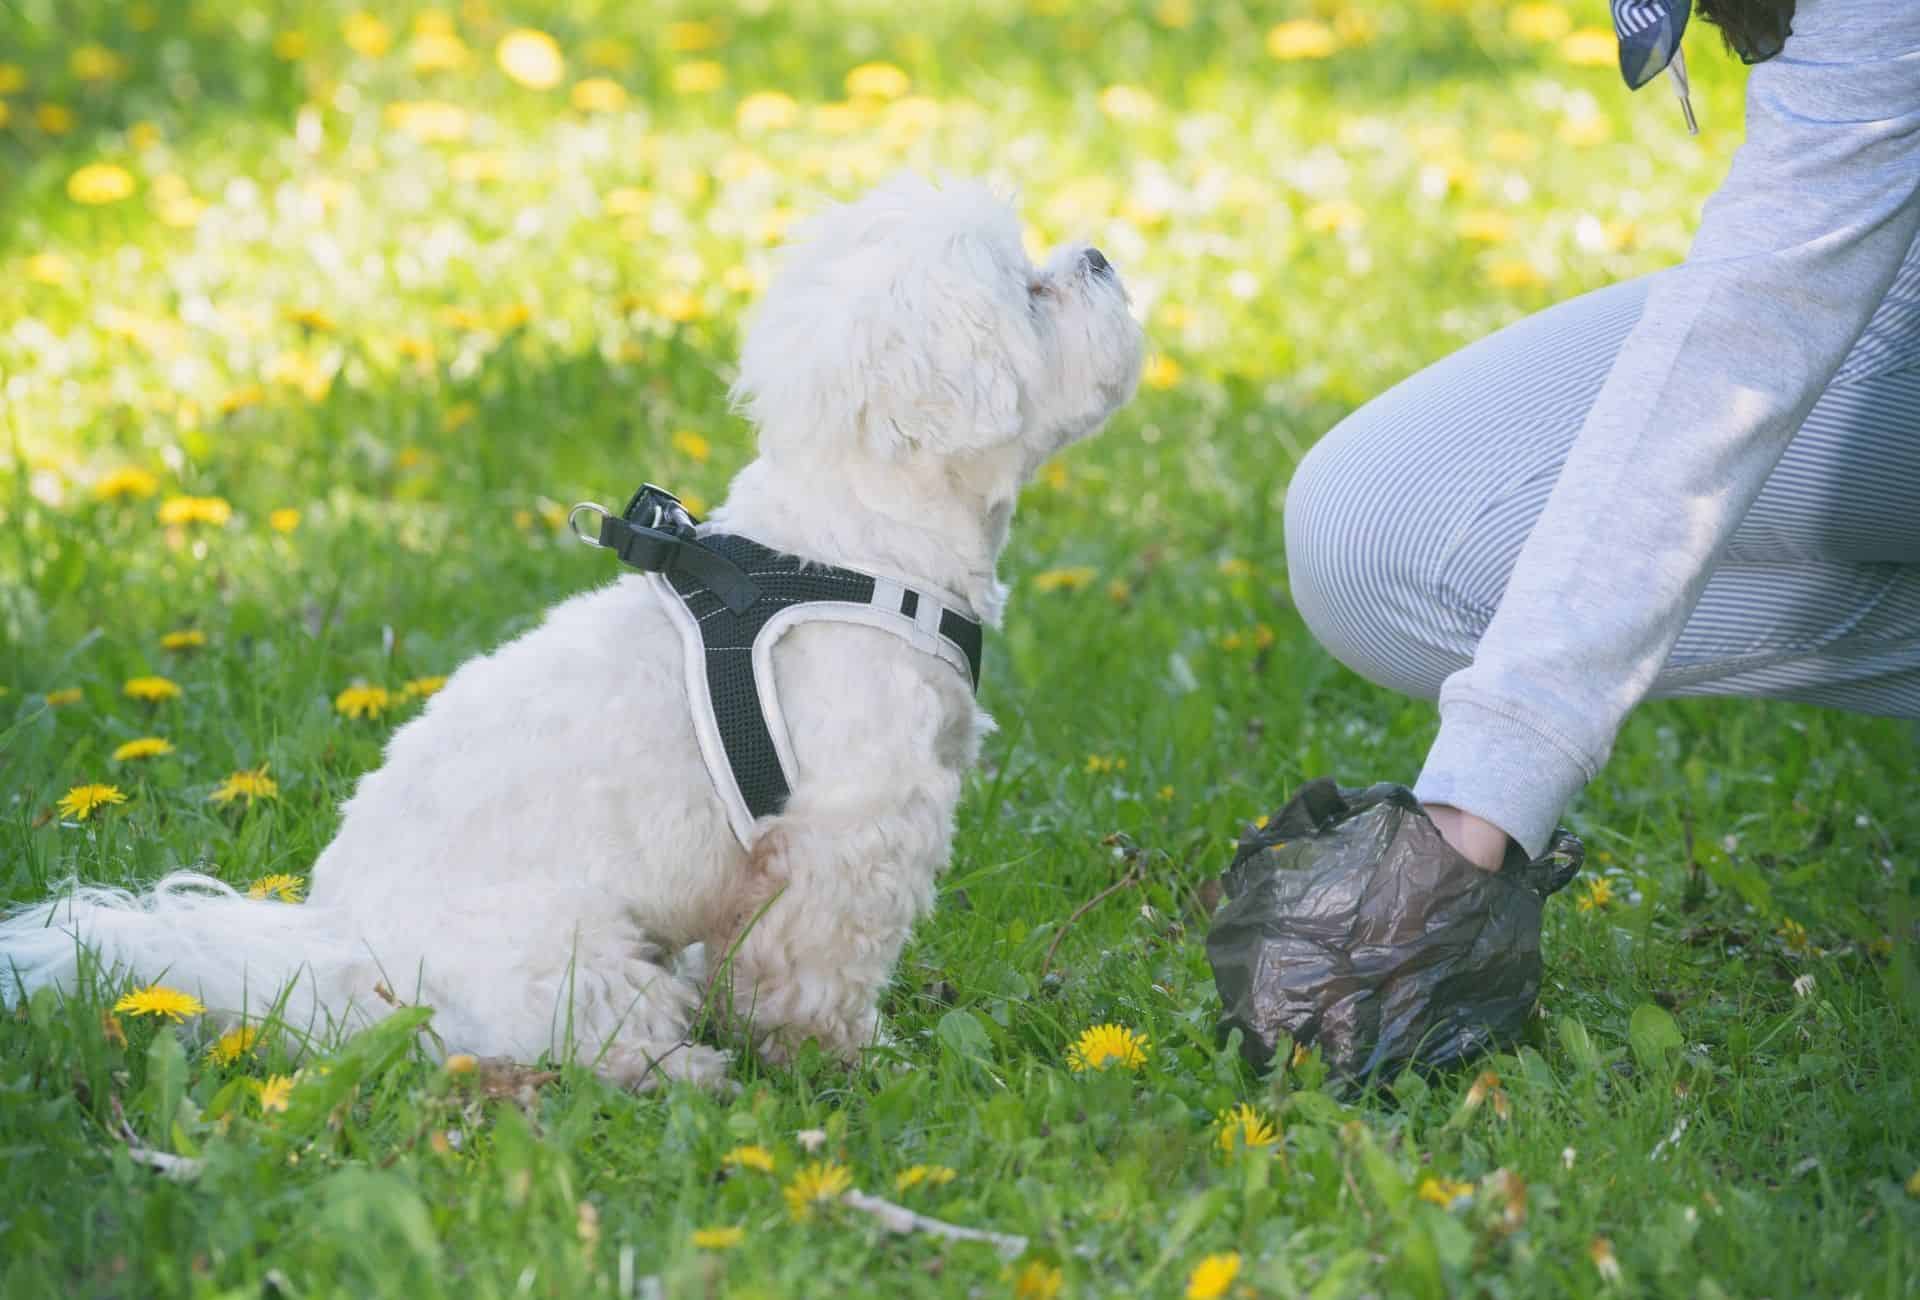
{"x": 810, "y": 1139}
{"x": 1803, "y": 987}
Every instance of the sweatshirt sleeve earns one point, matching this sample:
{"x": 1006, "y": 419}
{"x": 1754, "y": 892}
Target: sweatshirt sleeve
{"x": 1734, "y": 346}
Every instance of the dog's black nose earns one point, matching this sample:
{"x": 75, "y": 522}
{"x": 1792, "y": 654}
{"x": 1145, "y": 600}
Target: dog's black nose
{"x": 1097, "y": 262}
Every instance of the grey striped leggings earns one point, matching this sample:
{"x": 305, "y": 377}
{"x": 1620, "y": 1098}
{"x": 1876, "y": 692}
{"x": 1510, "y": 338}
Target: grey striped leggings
{"x": 1404, "y": 522}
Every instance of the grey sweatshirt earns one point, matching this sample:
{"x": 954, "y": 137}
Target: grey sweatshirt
{"x": 1794, "y": 253}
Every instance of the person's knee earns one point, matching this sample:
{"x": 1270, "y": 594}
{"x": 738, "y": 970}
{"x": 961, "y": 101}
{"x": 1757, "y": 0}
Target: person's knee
{"x": 1357, "y": 528}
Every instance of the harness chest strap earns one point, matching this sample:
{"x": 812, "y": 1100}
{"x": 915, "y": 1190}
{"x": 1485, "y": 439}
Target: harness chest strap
{"x": 732, "y": 599}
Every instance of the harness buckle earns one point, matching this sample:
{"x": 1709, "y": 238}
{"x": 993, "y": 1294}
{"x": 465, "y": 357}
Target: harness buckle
{"x": 652, "y": 506}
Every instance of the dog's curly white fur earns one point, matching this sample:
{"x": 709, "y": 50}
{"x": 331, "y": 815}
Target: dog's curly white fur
{"x": 543, "y": 844}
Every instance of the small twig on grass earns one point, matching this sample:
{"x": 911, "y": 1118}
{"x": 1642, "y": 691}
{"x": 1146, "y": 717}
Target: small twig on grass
{"x": 1135, "y": 874}
{"x": 181, "y": 1169}
{"x": 898, "y": 1218}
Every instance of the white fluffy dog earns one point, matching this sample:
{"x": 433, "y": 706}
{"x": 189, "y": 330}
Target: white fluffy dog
{"x": 543, "y": 856}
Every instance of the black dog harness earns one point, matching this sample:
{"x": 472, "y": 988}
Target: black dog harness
{"x": 732, "y": 598}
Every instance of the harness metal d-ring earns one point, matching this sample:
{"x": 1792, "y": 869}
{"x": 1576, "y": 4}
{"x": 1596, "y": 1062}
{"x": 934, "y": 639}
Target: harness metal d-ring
{"x": 592, "y": 539}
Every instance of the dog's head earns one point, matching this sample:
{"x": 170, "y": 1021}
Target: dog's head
{"x": 910, "y": 324}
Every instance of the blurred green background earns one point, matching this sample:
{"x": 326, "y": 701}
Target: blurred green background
{"x": 315, "y": 317}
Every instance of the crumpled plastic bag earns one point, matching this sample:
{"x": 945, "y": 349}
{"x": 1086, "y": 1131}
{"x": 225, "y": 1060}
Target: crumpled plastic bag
{"x": 1351, "y": 924}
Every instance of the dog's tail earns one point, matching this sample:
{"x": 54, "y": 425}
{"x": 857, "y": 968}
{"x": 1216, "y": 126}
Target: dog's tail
{"x": 198, "y": 935}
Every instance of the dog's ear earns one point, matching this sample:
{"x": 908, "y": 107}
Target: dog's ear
{"x": 900, "y": 322}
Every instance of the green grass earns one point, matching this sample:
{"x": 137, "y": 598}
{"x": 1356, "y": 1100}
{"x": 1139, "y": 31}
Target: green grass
{"x": 527, "y": 315}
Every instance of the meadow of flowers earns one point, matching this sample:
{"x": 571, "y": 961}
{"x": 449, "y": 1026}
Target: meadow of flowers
{"x": 315, "y": 317}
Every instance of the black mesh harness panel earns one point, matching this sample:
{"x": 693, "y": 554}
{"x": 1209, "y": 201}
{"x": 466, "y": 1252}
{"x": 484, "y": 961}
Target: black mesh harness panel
{"x": 727, "y": 592}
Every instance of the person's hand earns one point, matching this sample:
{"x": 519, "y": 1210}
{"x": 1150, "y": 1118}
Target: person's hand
{"x": 1474, "y": 838}
{"x": 1352, "y": 924}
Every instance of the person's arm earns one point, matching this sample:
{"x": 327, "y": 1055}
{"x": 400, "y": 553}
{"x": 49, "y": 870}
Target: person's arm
{"x": 1733, "y": 347}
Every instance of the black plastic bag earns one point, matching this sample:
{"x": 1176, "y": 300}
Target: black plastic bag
{"x": 1352, "y": 924}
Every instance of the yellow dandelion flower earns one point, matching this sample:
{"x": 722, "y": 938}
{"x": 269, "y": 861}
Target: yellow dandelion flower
{"x": 606, "y": 52}
{"x": 415, "y": 349}
{"x": 421, "y": 687}
{"x": 96, "y": 63}
{"x": 47, "y": 268}
{"x": 437, "y": 50}
{"x": 681, "y": 306}
{"x": 531, "y": 58}
{"x": 820, "y": 1182}
{"x": 283, "y": 520}
{"x": 461, "y": 1063}
{"x": 1161, "y": 372}
{"x": 1106, "y": 1045}
{"x": 1127, "y": 104}
{"x": 877, "y": 81}
{"x": 1795, "y": 936}
{"x": 1514, "y": 273}
{"x": 215, "y": 511}
{"x": 54, "y": 119}
{"x": 719, "y": 1238}
{"x": 233, "y": 1044}
{"x": 98, "y": 183}
{"x": 310, "y": 318}
{"x": 838, "y": 119}
{"x": 478, "y": 167}
{"x": 1444, "y": 1192}
{"x": 1212, "y": 1276}
{"x": 250, "y": 786}
{"x": 366, "y": 35}
{"x": 1586, "y": 132}
{"x": 1484, "y": 227}
{"x": 189, "y": 638}
{"x": 599, "y": 95}
{"x": 766, "y": 110}
{"x": 112, "y": 1030}
{"x": 151, "y": 689}
{"x": 1302, "y": 38}
{"x": 1039, "y": 1280}
{"x": 1540, "y": 23}
{"x": 692, "y": 446}
{"x": 1244, "y": 1129}
{"x": 363, "y": 701}
{"x": 158, "y": 1000}
{"x": 144, "y": 747}
{"x": 1599, "y": 893}
{"x": 64, "y": 696}
{"x": 240, "y": 398}
{"x": 80, "y": 802}
{"x": 1075, "y": 578}
{"x": 627, "y": 201}
{"x": 13, "y": 78}
{"x": 281, "y": 885}
{"x": 273, "y": 1093}
{"x": 697, "y": 77}
{"x": 1513, "y": 147}
{"x": 128, "y": 481}
{"x": 1591, "y": 47}
{"x": 749, "y": 1157}
{"x": 1333, "y": 215}
{"x": 930, "y": 1175}
{"x": 430, "y": 121}
{"x": 290, "y": 45}
{"x": 691, "y": 35}
{"x": 1913, "y": 1184}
